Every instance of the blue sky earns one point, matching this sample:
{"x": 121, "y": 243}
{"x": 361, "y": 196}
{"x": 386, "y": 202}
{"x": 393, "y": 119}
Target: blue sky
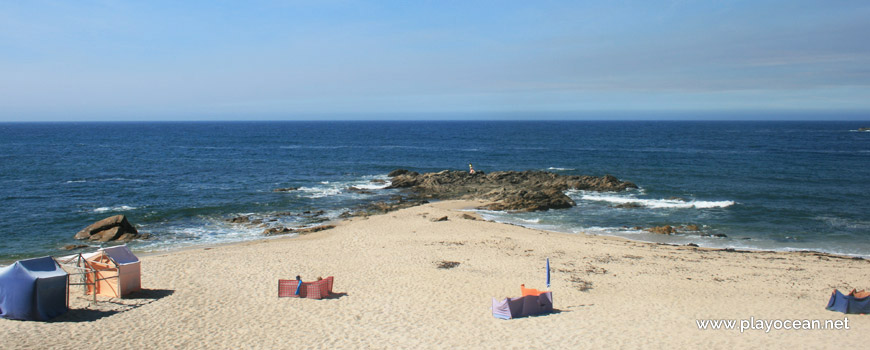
{"x": 156, "y": 60}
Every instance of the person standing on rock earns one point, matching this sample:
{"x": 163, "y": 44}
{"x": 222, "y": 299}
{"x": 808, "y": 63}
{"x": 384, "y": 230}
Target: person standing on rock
{"x": 470, "y": 169}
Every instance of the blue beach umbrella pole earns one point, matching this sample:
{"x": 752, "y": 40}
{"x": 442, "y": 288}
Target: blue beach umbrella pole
{"x": 548, "y": 273}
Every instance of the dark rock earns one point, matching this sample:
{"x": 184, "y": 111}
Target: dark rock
{"x": 285, "y": 189}
{"x": 469, "y": 217}
{"x": 719, "y": 235}
{"x": 126, "y": 237}
{"x": 74, "y": 246}
{"x": 378, "y": 181}
{"x": 244, "y": 219}
{"x": 629, "y": 205}
{"x": 664, "y": 230}
{"x": 397, "y": 172}
{"x": 386, "y": 207}
{"x": 359, "y": 190}
{"x": 443, "y": 218}
{"x": 508, "y": 190}
{"x": 108, "y": 229}
{"x": 277, "y": 231}
{"x": 316, "y": 220}
{"x": 864, "y": 129}
{"x": 285, "y": 230}
{"x": 404, "y": 180}
{"x": 691, "y": 245}
{"x": 303, "y": 231}
{"x": 523, "y": 200}
{"x": 107, "y": 235}
{"x": 447, "y": 264}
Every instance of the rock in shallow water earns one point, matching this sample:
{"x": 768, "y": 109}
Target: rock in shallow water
{"x": 112, "y": 228}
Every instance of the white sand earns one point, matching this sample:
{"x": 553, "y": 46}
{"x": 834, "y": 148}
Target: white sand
{"x": 392, "y": 295}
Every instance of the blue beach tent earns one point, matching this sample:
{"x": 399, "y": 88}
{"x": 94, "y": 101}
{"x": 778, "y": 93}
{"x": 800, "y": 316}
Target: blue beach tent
{"x": 33, "y": 289}
{"x": 853, "y": 303}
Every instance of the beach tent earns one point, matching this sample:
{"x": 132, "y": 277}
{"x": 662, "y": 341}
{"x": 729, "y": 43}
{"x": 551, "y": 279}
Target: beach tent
{"x": 854, "y": 303}
{"x": 33, "y": 289}
{"x": 116, "y": 272}
{"x": 533, "y": 302}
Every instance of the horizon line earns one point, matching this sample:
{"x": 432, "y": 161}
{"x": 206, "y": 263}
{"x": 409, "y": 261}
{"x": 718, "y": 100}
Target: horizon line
{"x": 411, "y": 120}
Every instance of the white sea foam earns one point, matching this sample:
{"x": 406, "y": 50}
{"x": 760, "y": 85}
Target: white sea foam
{"x": 560, "y": 169}
{"x": 655, "y": 203}
{"x": 372, "y": 186}
{"x": 334, "y": 188}
{"x": 839, "y": 222}
{"x": 122, "y": 179}
{"x": 115, "y": 208}
{"x": 320, "y": 192}
{"x": 368, "y": 184}
{"x": 111, "y": 179}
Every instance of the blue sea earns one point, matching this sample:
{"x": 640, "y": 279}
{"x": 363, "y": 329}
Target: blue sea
{"x": 765, "y": 185}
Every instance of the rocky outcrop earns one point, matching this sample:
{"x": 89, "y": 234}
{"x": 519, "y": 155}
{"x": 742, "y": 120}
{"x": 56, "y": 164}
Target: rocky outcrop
{"x": 285, "y": 230}
{"x": 629, "y": 205}
{"x": 307, "y": 230}
{"x": 355, "y": 189}
{"x": 663, "y": 230}
{"x": 277, "y": 231}
{"x": 398, "y": 172}
{"x": 471, "y": 217}
{"x": 864, "y": 129}
{"x": 115, "y": 228}
{"x": 687, "y": 229}
{"x": 244, "y": 219}
{"x": 508, "y": 190}
{"x": 285, "y": 189}
{"x": 529, "y": 200}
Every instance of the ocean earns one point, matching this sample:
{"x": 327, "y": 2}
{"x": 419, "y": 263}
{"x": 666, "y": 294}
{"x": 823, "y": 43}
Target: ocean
{"x": 763, "y": 185}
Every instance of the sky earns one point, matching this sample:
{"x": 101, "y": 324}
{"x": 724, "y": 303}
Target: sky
{"x": 325, "y": 59}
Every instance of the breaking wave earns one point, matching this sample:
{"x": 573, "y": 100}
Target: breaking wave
{"x": 115, "y": 208}
{"x": 334, "y": 188}
{"x": 656, "y": 203}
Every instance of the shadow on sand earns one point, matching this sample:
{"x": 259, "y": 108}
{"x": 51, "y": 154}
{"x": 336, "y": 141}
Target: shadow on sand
{"x": 334, "y": 295}
{"x": 154, "y": 294}
{"x": 106, "y": 308}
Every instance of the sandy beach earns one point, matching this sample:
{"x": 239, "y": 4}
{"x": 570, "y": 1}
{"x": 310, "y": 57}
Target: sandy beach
{"x": 390, "y": 293}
